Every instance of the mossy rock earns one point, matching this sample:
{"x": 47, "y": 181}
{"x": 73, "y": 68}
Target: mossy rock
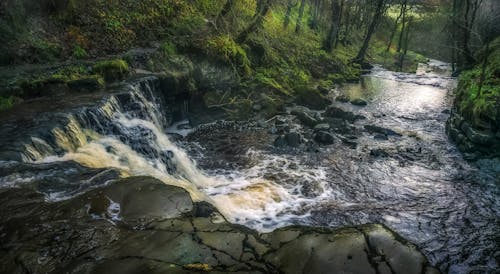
{"x": 8, "y": 102}
{"x": 42, "y": 86}
{"x": 112, "y": 70}
{"x": 311, "y": 97}
{"x": 87, "y": 83}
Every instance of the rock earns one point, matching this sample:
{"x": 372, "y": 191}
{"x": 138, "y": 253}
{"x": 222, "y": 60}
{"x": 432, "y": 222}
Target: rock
{"x": 112, "y": 70}
{"x": 342, "y": 98}
{"x": 175, "y": 83}
{"x": 381, "y": 130}
{"x": 311, "y": 98}
{"x": 87, "y": 83}
{"x": 322, "y": 127}
{"x": 305, "y": 117}
{"x": 359, "y": 102}
{"x": 378, "y": 152}
{"x": 349, "y": 142}
{"x": 324, "y": 137}
{"x": 337, "y": 112}
{"x": 293, "y": 139}
{"x": 323, "y": 89}
{"x": 214, "y": 76}
{"x": 176, "y": 235}
{"x": 477, "y": 136}
{"x": 380, "y": 137}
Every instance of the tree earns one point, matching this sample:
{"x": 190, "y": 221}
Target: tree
{"x": 331, "y": 39}
{"x": 290, "y": 5}
{"x": 379, "y": 11}
{"x": 301, "y": 14}
{"x": 261, "y": 10}
{"x": 396, "y": 24}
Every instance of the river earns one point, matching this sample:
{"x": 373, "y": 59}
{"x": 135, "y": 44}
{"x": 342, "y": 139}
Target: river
{"x": 410, "y": 177}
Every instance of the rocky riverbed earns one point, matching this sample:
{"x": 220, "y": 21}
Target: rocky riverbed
{"x": 333, "y": 186}
{"x": 139, "y": 225}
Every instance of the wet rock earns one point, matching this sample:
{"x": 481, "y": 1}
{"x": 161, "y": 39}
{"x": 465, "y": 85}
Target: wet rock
{"x": 359, "y": 102}
{"x": 339, "y": 125}
{"x": 322, "y": 127}
{"x": 378, "y": 152}
{"x": 324, "y": 137}
{"x": 87, "y": 83}
{"x": 323, "y": 89}
{"x": 477, "y": 136}
{"x": 381, "y": 130}
{"x": 350, "y": 142}
{"x": 382, "y": 137}
{"x": 311, "y": 98}
{"x": 179, "y": 236}
{"x": 342, "y": 98}
{"x": 293, "y": 139}
{"x": 305, "y": 116}
{"x": 337, "y": 112}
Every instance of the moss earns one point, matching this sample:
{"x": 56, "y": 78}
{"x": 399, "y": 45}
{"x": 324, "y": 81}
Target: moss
{"x": 167, "y": 48}
{"x": 477, "y": 102}
{"x": 87, "y": 83}
{"x": 112, "y": 70}
{"x": 8, "y": 102}
{"x": 310, "y": 97}
{"x": 225, "y": 48}
{"x": 79, "y": 52}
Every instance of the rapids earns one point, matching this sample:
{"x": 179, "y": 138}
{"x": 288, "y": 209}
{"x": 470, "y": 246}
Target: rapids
{"x": 423, "y": 189}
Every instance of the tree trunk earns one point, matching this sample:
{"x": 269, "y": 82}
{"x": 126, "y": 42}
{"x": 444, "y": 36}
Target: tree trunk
{"x": 331, "y": 40}
{"x": 261, "y": 11}
{"x": 403, "y": 26}
{"x": 290, "y": 5}
{"x": 301, "y": 14}
{"x": 360, "y": 57}
{"x": 405, "y": 46}
{"x": 396, "y": 24}
{"x": 225, "y": 10}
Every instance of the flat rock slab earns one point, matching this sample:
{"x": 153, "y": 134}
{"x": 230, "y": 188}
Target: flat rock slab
{"x": 140, "y": 225}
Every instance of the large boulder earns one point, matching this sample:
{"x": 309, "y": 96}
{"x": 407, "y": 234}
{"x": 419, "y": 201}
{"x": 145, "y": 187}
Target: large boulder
{"x": 324, "y": 137}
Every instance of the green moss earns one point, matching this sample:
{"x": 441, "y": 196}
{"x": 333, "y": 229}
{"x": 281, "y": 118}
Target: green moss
{"x": 87, "y": 83}
{"x": 112, "y": 70}
{"x": 311, "y": 97}
{"x": 478, "y": 102}
{"x": 167, "y": 48}
{"x": 225, "y": 48}
{"x": 79, "y": 52}
{"x": 8, "y": 102}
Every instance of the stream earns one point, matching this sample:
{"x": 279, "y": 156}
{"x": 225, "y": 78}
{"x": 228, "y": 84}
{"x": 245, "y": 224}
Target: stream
{"x": 396, "y": 166}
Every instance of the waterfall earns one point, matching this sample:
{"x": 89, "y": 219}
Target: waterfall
{"x": 127, "y": 131}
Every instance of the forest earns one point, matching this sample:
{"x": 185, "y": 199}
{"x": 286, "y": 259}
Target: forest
{"x": 249, "y": 136}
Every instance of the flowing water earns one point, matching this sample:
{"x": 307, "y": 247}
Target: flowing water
{"x": 421, "y": 188}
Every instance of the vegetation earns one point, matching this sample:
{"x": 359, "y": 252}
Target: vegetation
{"x": 279, "y": 47}
{"x": 478, "y": 92}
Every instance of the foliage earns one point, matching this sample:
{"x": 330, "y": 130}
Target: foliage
{"x": 479, "y": 102}
{"x": 79, "y": 52}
